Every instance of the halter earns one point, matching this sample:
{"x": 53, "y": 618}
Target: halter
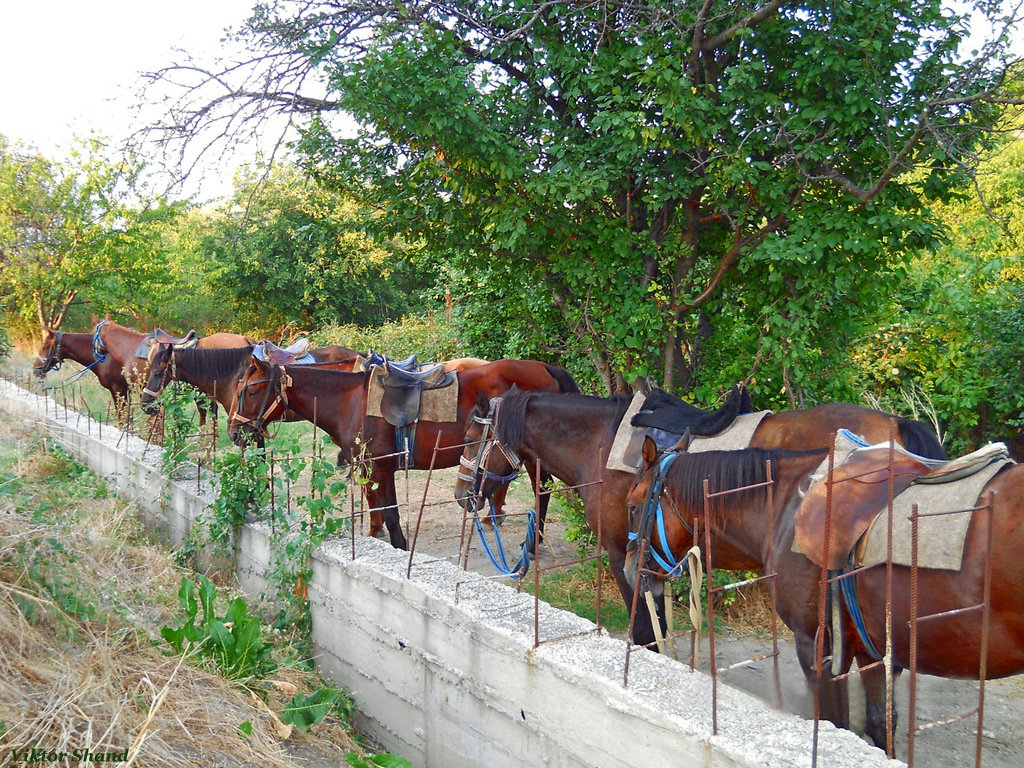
{"x": 259, "y": 423}
{"x": 53, "y": 359}
{"x": 170, "y": 372}
{"x": 99, "y": 349}
{"x": 653, "y": 514}
{"x": 478, "y": 472}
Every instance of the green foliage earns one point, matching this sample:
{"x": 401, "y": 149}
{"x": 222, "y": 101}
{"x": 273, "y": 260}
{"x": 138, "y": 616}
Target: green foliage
{"x": 73, "y": 229}
{"x": 178, "y": 403}
{"x": 233, "y": 642}
{"x": 243, "y": 491}
{"x": 293, "y": 253}
{"x": 379, "y": 760}
{"x": 638, "y": 186}
{"x": 305, "y": 711}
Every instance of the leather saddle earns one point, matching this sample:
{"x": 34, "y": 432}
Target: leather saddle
{"x": 860, "y": 491}
{"x": 160, "y": 336}
{"x": 404, "y": 388}
{"x": 296, "y": 353}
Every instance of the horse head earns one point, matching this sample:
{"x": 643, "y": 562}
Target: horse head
{"x": 649, "y": 551}
{"x": 483, "y": 471}
{"x": 161, "y": 371}
{"x": 48, "y": 358}
{"x": 261, "y": 397}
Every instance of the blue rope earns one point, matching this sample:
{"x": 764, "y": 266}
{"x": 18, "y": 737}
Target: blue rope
{"x": 76, "y": 376}
{"x": 99, "y": 349}
{"x": 499, "y": 561}
{"x": 849, "y": 591}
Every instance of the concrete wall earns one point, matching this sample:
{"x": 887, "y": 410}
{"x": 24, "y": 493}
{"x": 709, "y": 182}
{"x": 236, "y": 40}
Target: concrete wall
{"x": 443, "y": 666}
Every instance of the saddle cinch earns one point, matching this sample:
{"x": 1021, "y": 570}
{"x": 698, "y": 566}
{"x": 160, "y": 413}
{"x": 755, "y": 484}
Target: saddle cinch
{"x": 860, "y": 494}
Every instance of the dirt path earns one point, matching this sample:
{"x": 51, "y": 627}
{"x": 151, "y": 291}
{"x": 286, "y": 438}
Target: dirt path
{"x": 948, "y": 746}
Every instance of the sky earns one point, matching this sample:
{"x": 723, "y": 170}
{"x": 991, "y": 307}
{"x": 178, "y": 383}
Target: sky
{"x": 71, "y": 66}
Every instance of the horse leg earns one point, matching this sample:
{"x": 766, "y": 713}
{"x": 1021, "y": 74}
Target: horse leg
{"x": 384, "y": 499}
{"x": 874, "y": 702}
{"x": 833, "y": 696}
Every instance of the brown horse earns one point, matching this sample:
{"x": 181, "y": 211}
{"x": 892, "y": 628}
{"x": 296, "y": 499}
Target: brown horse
{"x": 336, "y": 402}
{"x": 215, "y": 371}
{"x": 949, "y": 646}
{"x": 59, "y": 346}
{"x": 571, "y": 436}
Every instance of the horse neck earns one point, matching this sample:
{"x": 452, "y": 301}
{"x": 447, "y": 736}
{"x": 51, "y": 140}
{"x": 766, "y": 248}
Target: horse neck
{"x": 745, "y": 525}
{"x": 570, "y": 442}
{"x": 121, "y": 342}
{"x": 77, "y": 347}
{"x": 333, "y": 400}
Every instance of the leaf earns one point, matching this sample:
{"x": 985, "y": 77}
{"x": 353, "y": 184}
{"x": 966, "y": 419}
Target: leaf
{"x": 304, "y": 711}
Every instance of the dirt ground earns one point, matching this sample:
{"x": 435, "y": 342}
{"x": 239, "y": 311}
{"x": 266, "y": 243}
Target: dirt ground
{"x": 947, "y": 746}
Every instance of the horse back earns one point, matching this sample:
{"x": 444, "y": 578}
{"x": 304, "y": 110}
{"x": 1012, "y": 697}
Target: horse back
{"x": 222, "y": 340}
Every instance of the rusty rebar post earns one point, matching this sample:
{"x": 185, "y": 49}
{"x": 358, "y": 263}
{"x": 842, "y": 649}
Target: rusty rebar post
{"x": 423, "y": 502}
{"x": 711, "y": 609}
{"x": 819, "y": 651}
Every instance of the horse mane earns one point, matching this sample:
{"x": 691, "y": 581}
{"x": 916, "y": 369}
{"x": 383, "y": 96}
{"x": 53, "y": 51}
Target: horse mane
{"x": 918, "y": 437}
{"x": 213, "y": 364}
{"x": 724, "y": 470}
{"x": 566, "y": 383}
{"x": 510, "y": 425}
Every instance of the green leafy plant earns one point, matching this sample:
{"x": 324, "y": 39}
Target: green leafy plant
{"x": 177, "y": 402}
{"x": 233, "y": 642}
{"x": 380, "y": 760}
{"x": 304, "y": 711}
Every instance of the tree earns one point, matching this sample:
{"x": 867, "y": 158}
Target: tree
{"x": 662, "y": 173}
{"x": 72, "y": 229}
{"x": 292, "y": 252}
{"x": 952, "y": 334}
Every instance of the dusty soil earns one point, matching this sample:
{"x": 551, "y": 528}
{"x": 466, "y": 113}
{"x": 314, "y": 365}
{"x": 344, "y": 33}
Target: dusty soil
{"x": 947, "y": 746}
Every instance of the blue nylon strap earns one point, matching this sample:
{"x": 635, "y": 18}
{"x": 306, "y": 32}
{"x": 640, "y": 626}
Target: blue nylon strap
{"x": 498, "y": 559}
{"x": 665, "y": 558}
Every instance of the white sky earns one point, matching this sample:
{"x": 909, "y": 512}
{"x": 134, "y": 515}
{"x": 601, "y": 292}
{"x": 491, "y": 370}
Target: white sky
{"x": 69, "y": 67}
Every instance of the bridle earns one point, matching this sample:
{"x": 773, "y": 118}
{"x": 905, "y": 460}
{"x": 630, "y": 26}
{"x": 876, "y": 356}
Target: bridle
{"x": 653, "y": 514}
{"x": 170, "y": 371}
{"x": 278, "y": 382}
{"x": 53, "y": 360}
{"x": 476, "y": 470}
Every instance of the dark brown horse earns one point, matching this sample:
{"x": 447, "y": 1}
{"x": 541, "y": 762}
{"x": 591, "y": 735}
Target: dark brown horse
{"x": 214, "y": 371}
{"x": 59, "y": 346}
{"x": 571, "y": 436}
{"x": 949, "y": 646}
{"x": 336, "y": 402}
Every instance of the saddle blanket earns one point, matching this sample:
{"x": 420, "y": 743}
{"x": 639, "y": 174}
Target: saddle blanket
{"x": 940, "y": 538}
{"x": 735, "y": 437}
{"x": 625, "y": 453}
{"x": 435, "y": 404}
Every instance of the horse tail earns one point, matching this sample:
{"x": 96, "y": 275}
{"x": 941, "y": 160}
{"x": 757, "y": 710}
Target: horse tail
{"x": 917, "y": 437}
{"x": 566, "y": 383}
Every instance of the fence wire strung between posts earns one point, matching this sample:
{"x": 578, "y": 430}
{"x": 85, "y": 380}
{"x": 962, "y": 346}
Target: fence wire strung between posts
{"x": 701, "y": 535}
{"x": 471, "y": 520}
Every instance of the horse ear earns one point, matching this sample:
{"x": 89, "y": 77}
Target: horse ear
{"x": 483, "y": 403}
{"x": 650, "y": 451}
{"x": 683, "y": 443}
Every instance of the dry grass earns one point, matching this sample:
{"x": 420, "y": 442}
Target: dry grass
{"x": 82, "y": 600}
